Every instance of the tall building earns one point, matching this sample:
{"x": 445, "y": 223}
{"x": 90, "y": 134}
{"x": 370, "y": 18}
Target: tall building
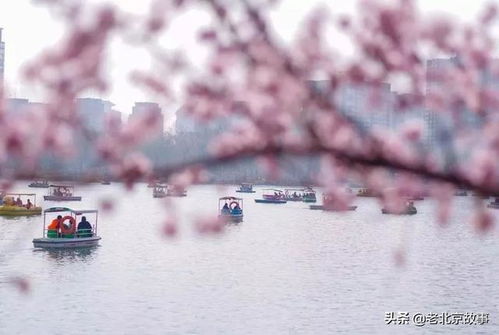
{"x": 440, "y": 84}
{"x": 415, "y": 112}
{"x": 184, "y": 124}
{"x": 19, "y": 107}
{"x": 142, "y": 108}
{"x": 92, "y": 112}
{"x": 369, "y": 106}
{"x": 16, "y": 106}
{"x": 2, "y": 57}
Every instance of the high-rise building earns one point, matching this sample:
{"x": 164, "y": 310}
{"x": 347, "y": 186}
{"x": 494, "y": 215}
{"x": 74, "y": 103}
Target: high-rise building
{"x": 184, "y": 124}
{"x": 20, "y": 107}
{"x": 369, "y": 106}
{"x": 2, "y": 57}
{"x": 142, "y": 108}
{"x": 16, "y": 106}
{"x": 442, "y": 88}
{"x": 92, "y": 112}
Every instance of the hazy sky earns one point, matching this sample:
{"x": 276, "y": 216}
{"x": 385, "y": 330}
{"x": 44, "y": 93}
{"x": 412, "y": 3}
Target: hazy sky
{"x": 30, "y": 28}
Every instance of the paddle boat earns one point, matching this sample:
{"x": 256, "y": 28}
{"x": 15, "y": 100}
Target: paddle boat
{"x": 328, "y": 204}
{"x": 461, "y": 193}
{"x": 159, "y": 191}
{"x": 366, "y": 192}
{"x": 231, "y": 210}
{"x": 272, "y": 196}
{"x": 176, "y": 191}
{"x": 105, "y": 182}
{"x": 409, "y": 209}
{"x": 61, "y": 193}
{"x": 67, "y": 235}
{"x": 245, "y": 188}
{"x": 494, "y": 204}
{"x": 11, "y": 207}
{"x": 39, "y": 184}
{"x": 300, "y": 194}
{"x": 309, "y": 195}
{"x": 293, "y": 194}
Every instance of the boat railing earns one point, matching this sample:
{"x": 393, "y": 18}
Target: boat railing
{"x": 79, "y": 233}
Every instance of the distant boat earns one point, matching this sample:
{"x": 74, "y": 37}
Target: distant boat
{"x": 245, "y": 188}
{"x": 39, "y": 184}
{"x": 323, "y": 208}
{"x": 409, "y": 209}
{"x": 68, "y": 235}
{"x": 366, "y": 192}
{"x": 61, "y": 193}
{"x": 9, "y": 206}
{"x": 272, "y": 196}
{"x": 105, "y": 182}
{"x": 328, "y": 205}
{"x": 300, "y": 194}
{"x": 309, "y": 195}
{"x": 231, "y": 210}
{"x": 159, "y": 191}
{"x": 494, "y": 204}
{"x": 293, "y": 194}
{"x": 461, "y": 193}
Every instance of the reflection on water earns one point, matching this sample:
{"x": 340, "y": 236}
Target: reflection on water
{"x": 284, "y": 270}
{"x": 62, "y": 256}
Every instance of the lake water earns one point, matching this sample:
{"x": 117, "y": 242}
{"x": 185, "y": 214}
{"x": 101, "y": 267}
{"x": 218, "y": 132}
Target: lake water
{"x": 284, "y": 270}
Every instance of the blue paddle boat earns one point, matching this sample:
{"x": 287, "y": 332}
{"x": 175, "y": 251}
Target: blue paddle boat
{"x": 230, "y": 209}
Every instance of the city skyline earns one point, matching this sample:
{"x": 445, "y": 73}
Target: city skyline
{"x": 25, "y": 44}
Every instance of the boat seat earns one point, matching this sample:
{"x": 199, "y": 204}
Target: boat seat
{"x": 52, "y": 234}
{"x": 84, "y": 233}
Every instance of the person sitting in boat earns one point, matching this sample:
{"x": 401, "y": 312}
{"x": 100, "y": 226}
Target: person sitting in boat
{"x": 226, "y": 209}
{"x": 84, "y": 228}
{"x": 236, "y": 209}
{"x": 53, "y": 227}
{"x": 19, "y": 202}
{"x": 29, "y": 204}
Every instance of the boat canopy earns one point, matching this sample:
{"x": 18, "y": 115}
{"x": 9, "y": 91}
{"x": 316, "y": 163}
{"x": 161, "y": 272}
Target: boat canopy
{"x": 230, "y": 198}
{"x": 56, "y": 186}
{"x": 246, "y": 184}
{"x": 84, "y": 211}
{"x": 66, "y": 209}
{"x": 57, "y": 209}
{"x": 24, "y": 194}
{"x": 273, "y": 189}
